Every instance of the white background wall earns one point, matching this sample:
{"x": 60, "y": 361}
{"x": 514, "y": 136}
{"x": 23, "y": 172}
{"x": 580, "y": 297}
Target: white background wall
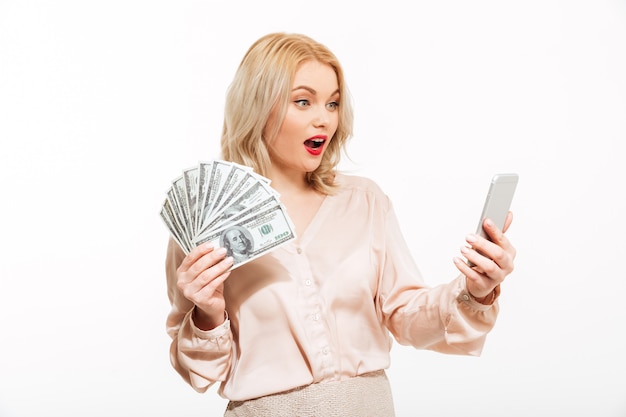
{"x": 103, "y": 103}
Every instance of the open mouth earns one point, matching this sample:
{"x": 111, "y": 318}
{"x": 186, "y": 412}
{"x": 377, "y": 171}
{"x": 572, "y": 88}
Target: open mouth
{"x": 314, "y": 143}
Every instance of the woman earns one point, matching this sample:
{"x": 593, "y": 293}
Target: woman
{"x": 306, "y": 329}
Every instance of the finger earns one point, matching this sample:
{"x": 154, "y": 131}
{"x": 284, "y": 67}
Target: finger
{"x": 215, "y": 285}
{"x": 498, "y": 247}
{"x": 479, "y": 262}
{"x": 495, "y": 236}
{"x": 507, "y": 221}
{"x": 195, "y": 254}
{"x": 478, "y": 284}
{"x": 206, "y": 261}
{"x": 214, "y": 276}
{"x": 493, "y": 232}
{"x": 489, "y": 256}
{"x": 478, "y": 243}
{"x": 462, "y": 266}
{"x": 202, "y": 290}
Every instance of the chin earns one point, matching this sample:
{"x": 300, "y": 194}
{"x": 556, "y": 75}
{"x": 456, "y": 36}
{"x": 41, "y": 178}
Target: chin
{"x": 311, "y": 167}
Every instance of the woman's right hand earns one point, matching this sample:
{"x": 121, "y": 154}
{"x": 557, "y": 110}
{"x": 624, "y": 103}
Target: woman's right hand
{"x": 200, "y": 278}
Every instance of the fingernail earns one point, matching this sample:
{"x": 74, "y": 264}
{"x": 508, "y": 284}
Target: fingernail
{"x": 220, "y": 251}
{"x": 228, "y": 260}
{"x": 464, "y": 249}
{"x": 470, "y": 238}
{"x": 489, "y": 223}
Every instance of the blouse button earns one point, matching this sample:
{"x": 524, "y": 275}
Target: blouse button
{"x": 308, "y": 282}
{"x": 299, "y": 250}
{"x": 466, "y": 297}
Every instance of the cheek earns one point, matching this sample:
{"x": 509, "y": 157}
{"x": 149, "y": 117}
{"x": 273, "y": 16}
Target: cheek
{"x": 291, "y": 124}
{"x": 334, "y": 117}
{"x": 334, "y": 125}
{"x": 289, "y": 134}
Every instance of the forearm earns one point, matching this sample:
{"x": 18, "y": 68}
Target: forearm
{"x": 201, "y": 357}
{"x": 445, "y": 318}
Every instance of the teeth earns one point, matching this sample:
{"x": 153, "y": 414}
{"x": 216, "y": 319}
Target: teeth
{"x": 315, "y": 143}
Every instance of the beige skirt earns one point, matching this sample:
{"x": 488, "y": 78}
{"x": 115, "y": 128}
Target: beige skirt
{"x": 367, "y": 395}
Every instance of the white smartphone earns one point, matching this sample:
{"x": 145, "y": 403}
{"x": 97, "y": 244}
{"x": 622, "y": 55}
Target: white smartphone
{"x": 498, "y": 201}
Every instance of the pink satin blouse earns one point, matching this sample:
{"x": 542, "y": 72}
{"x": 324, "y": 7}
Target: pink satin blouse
{"x": 324, "y": 307}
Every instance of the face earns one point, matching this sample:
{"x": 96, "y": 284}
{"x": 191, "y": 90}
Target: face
{"x": 236, "y": 241}
{"x": 310, "y": 122}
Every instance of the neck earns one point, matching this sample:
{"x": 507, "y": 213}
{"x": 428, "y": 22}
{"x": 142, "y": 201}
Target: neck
{"x": 289, "y": 184}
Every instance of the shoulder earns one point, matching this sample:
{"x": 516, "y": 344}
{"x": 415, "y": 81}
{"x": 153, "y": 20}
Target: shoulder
{"x": 361, "y": 185}
{"x": 356, "y": 181}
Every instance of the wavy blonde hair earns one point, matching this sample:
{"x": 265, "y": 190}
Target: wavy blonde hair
{"x": 263, "y": 82}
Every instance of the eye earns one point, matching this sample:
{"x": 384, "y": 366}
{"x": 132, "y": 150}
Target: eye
{"x": 301, "y": 103}
{"x": 332, "y": 105}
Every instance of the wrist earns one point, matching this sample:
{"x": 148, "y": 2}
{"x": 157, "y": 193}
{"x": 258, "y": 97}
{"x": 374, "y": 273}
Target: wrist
{"x": 205, "y": 321}
{"x": 490, "y": 298}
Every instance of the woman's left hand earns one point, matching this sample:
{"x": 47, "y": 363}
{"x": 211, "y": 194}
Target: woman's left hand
{"x": 492, "y": 259}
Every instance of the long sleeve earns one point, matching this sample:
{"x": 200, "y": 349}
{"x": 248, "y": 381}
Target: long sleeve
{"x": 200, "y": 357}
{"x": 444, "y": 318}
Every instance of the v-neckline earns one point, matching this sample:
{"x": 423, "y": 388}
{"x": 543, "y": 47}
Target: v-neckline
{"x": 311, "y": 229}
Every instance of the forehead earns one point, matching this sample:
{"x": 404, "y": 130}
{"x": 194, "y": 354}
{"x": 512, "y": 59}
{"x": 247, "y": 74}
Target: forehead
{"x": 233, "y": 233}
{"x": 317, "y": 75}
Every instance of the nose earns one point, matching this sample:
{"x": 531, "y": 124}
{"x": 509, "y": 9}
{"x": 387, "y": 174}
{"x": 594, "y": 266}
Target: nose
{"x": 322, "y": 117}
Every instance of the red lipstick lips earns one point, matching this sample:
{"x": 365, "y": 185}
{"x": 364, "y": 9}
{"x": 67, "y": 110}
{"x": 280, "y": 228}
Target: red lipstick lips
{"x": 315, "y": 145}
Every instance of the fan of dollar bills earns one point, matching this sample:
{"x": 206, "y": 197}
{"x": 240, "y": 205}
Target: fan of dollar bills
{"x": 228, "y": 205}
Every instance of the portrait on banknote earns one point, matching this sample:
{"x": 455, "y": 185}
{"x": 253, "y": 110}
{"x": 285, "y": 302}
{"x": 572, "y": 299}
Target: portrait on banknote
{"x": 238, "y": 243}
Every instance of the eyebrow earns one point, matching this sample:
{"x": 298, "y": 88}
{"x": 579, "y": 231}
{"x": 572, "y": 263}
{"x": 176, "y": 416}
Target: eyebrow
{"x": 311, "y": 90}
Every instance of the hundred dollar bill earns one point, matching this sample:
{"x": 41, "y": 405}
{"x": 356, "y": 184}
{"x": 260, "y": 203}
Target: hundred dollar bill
{"x": 176, "y": 231}
{"x": 228, "y": 204}
{"x": 247, "y": 181}
{"x": 190, "y": 184}
{"x": 234, "y": 177}
{"x": 180, "y": 203}
{"x": 252, "y": 236}
{"x": 213, "y": 177}
{"x": 177, "y": 211}
{"x": 204, "y": 171}
{"x": 241, "y": 202}
{"x": 235, "y": 216}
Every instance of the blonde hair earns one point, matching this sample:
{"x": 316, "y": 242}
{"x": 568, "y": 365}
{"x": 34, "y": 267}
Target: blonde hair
{"x": 263, "y": 82}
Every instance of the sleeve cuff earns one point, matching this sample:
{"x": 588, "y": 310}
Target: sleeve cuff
{"x": 221, "y": 330}
{"x": 466, "y": 298}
